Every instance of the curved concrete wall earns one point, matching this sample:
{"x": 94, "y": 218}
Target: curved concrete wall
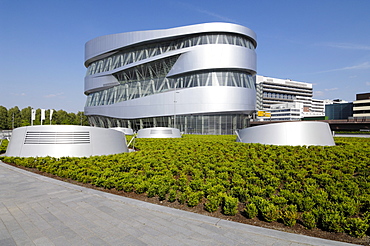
{"x": 288, "y": 133}
{"x": 65, "y": 140}
{"x": 159, "y": 132}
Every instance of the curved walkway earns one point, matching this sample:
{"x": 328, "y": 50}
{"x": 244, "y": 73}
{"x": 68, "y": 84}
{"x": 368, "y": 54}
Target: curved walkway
{"x": 37, "y": 210}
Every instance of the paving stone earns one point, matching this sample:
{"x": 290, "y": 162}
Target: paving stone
{"x": 7, "y": 242}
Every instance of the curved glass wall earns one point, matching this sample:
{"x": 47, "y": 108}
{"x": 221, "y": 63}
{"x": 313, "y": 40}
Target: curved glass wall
{"x": 150, "y": 78}
{"x": 188, "y": 124}
{"x": 142, "y": 52}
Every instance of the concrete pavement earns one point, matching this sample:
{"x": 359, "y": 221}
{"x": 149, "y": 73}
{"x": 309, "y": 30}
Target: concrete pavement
{"x": 37, "y": 210}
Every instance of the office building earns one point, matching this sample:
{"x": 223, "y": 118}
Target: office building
{"x": 272, "y": 91}
{"x": 361, "y": 107}
{"x": 339, "y": 111}
{"x": 287, "y": 99}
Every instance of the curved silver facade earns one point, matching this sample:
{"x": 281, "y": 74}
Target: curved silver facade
{"x": 65, "y": 140}
{"x": 199, "y": 78}
{"x": 289, "y": 133}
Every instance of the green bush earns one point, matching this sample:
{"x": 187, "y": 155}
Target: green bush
{"x": 270, "y": 212}
{"x": 289, "y": 215}
{"x": 250, "y": 210}
{"x": 3, "y": 146}
{"x": 194, "y": 198}
{"x": 213, "y": 202}
{"x": 356, "y": 227}
{"x": 172, "y": 195}
{"x": 309, "y": 220}
{"x": 332, "y": 221}
{"x": 230, "y": 205}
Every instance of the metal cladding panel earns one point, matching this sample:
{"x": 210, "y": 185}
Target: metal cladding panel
{"x": 109, "y": 43}
{"x": 159, "y": 132}
{"x": 289, "y": 133}
{"x": 215, "y": 56}
{"x": 65, "y": 140}
{"x": 125, "y": 130}
{"x": 99, "y": 82}
{"x": 195, "y": 100}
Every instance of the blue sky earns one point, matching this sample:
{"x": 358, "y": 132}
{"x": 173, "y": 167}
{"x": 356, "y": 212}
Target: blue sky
{"x": 323, "y": 42}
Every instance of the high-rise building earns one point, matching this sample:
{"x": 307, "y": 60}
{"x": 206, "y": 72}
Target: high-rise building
{"x": 276, "y": 91}
{"x": 287, "y": 99}
{"x": 199, "y": 78}
{"x": 361, "y": 107}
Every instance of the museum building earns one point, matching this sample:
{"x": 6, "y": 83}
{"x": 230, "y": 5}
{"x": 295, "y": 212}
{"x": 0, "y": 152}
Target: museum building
{"x": 200, "y": 79}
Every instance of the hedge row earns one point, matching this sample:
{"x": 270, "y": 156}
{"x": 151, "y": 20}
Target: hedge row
{"x": 3, "y": 145}
{"x": 324, "y": 187}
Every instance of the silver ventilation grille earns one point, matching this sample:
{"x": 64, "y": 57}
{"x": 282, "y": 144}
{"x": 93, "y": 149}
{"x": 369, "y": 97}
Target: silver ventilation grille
{"x": 161, "y": 132}
{"x": 36, "y": 137}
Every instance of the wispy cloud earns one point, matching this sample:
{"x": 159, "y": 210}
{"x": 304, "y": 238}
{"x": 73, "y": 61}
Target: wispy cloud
{"x": 331, "y": 89}
{"x": 367, "y": 83}
{"x": 203, "y": 11}
{"x": 346, "y": 46}
{"x": 224, "y": 18}
{"x": 18, "y": 94}
{"x": 364, "y": 65}
{"x": 54, "y": 95}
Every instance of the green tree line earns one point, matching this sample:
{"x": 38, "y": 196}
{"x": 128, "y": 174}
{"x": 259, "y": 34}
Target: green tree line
{"x": 15, "y": 117}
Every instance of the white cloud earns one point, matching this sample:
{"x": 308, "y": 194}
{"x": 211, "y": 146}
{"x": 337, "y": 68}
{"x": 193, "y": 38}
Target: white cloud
{"x": 18, "y": 94}
{"x": 364, "y": 65}
{"x": 203, "y": 11}
{"x": 346, "y": 46}
{"x": 367, "y": 83}
{"x": 331, "y": 89}
{"x": 54, "y": 95}
{"x": 214, "y": 15}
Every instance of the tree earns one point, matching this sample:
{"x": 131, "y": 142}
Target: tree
{"x": 81, "y": 119}
{"x": 3, "y": 118}
{"x": 26, "y": 116}
{"x": 61, "y": 118}
{"x": 14, "y": 118}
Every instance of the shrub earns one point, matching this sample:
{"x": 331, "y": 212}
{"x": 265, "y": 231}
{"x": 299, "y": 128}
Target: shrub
{"x": 239, "y": 193}
{"x": 356, "y": 227}
{"x": 270, "y": 212}
{"x": 172, "y": 195}
{"x": 279, "y": 201}
{"x": 306, "y": 204}
{"x": 152, "y": 190}
{"x": 309, "y": 220}
{"x": 4, "y": 146}
{"x": 250, "y": 210}
{"x": 289, "y": 215}
{"x": 194, "y": 198}
{"x": 182, "y": 197}
{"x": 213, "y": 202}
{"x": 230, "y": 205}
{"x": 332, "y": 221}
{"x": 141, "y": 187}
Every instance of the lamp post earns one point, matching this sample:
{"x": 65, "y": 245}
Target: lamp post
{"x": 174, "y": 107}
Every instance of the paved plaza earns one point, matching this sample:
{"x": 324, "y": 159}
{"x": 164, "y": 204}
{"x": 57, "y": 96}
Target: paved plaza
{"x": 37, "y": 210}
